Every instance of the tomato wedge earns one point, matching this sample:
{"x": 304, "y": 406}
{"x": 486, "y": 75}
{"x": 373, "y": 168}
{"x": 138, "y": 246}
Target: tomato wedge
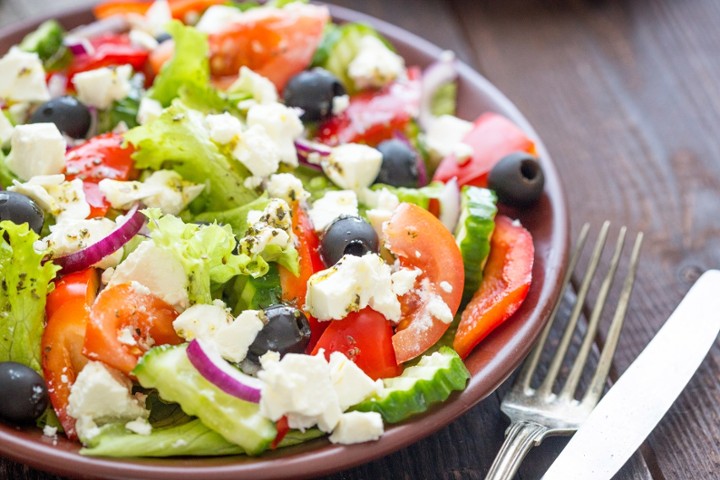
{"x": 505, "y": 284}
{"x": 294, "y": 288}
{"x": 62, "y": 359}
{"x": 365, "y": 337}
{"x": 491, "y": 138}
{"x": 419, "y": 240}
{"x": 108, "y": 50}
{"x": 125, "y": 322}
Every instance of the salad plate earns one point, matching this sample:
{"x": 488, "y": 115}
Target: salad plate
{"x": 489, "y": 364}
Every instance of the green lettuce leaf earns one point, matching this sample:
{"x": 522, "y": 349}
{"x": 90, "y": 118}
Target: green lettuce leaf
{"x": 24, "y": 285}
{"x": 179, "y": 141}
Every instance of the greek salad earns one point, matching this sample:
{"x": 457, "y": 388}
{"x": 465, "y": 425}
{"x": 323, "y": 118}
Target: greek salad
{"x": 229, "y": 227}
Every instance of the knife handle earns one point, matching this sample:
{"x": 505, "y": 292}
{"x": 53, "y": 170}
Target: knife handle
{"x": 520, "y": 437}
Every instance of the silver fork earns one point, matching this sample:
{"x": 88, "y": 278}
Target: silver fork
{"x": 536, "y": 413}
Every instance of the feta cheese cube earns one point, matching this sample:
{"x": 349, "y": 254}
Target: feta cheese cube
{"x": 375, "y": 65}
{"x": 332, "y": 205}
{"x": 218, "y": 18}
{"x": 403, "y": 280}
{"x": 148, "y": 110}
{"x": 260, "y": 89}
{"x": 444, "y": 137}
{"x": 65, "y": 200}
{"x": 282, "y": 125}
{"x": 351, "y": 384}
{"x": 142, "y": 39}
{"x": 154, "y": 20}
{"x": 73, "y": 235}
{"x": 101, "y": 87}
{"x": 257, "y": 151}
{"x": 358, "y": 427}
{"x": 287, "y": 187}
{"x": 352, "y": 165}
{"x": 350, "y": 285}
{"x": 36, "y": 149}
{"x": 223, "y": 128}
{"x": 164, "y": 189}
{"x": 22, "y": 77}
{"x": 272, "y": 226}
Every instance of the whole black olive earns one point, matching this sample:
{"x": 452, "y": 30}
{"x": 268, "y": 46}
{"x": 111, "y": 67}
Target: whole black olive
{"x": 68, "y": 114}
{"x": 313, "y": 91}
{"x": 20, "y": 209}
{"x": 347, "y": 235}
{"x": 24, "y": 393}
{"x": 287, "y": 331}
{"x": 399, "y": 164}
{"x": 517, "y": 179}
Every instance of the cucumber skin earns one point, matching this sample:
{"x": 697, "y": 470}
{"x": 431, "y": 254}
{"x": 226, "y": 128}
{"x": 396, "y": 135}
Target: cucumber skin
{"x": 167, "y": 369}
{"x": 397, "y": 405}
{"x": 478, "y": 209}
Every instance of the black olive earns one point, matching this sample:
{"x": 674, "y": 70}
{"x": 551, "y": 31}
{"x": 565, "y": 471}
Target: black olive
{"x": 24, "y": 393}
{"x": 287, "y": 331}
{"x": 67, "y": 113}
{"x": 20, "y": 209}
{"x": 313, "y": 91}
{"x": 517, "y": 179}
{"x": 347, "y": 235}
{"x": 163, "y": 37}
{"x": 399, "y": 164}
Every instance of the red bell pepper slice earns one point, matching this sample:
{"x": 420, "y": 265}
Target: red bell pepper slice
{"x": 505, "y": 284}
{"x": 491, "y": 138}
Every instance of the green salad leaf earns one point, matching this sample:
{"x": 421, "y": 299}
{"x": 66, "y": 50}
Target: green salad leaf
{"x": 24, "y": 285}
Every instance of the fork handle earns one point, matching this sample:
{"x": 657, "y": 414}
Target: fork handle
{"x": 520, "y": 437}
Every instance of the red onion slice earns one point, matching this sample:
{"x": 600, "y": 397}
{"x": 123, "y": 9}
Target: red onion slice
{"x": 79, "y": 45}
{"x": 450, "y": 204}
{"x": 310, "y": 152}
{"x": 92, "y": 254}
{"x": 218, "y": 372}
{"x": 435, "y": 76}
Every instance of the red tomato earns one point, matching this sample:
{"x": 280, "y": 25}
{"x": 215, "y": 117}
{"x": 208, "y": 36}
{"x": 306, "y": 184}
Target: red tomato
{"x": 62, "y": 359}
{"x": 294, "y": 288}
{"x": 491, "y": 138}
{"x": 374, "y": 116}
{"x": 109, "y": 50}
{"x": 365, "y": 337}
{"x": 147, "y": 318}
{"x": 419, "y": 240}
{"x": 506, "y": 280}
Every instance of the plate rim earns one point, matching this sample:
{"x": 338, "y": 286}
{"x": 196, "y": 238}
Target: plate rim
{"x": 23, "y": 445}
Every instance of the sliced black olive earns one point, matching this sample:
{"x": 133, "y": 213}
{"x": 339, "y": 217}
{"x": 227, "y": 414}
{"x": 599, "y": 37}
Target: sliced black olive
{"x": 517, "y": 179}
{"x": 347, "y": 235}
{"x": 287, "y": 331}
{"x": 313, "y": 91}
{"x": 24, "y": 393}
{"x": 399, "y": 164}
{"x": 20, "y": 209}
{"x": 67, "y": 113}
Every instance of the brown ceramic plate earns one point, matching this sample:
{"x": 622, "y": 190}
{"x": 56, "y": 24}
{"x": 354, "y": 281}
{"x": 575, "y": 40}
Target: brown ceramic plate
{"x": 490, "y": 364}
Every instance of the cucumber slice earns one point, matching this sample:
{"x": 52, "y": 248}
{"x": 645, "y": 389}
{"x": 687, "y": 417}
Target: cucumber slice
{"x": 430, "y": 381}
{"x": 168, "y": 370}
{"x": 478, "y": 207}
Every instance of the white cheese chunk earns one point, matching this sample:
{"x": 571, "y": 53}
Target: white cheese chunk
{"x": 157, "y": 269}
{"x": 282, "y": 124}
{"x": 36, "y": 149}
{"x": 73, "y": 235}
{"x": 217, "y": 18}
{"x": 140, "y": 425}
{"x": 257, "y": 151}
{"x": 142, "y": 39}
{"x": 350, "y": 285}
{"x": 352, "y": 165}
{"x": 65, "y": 200}
{"x": 444, "y": 137}
{"x": 154, "y": 20}
{"x": 22, "y": 77}
{"x": 260, "y": 89}
{"x": 403, "y": 280}
{"x": 101, "y": 87}
{"x": 223, "y": 128}
{"x": 164, "y": 189}
{"x": 272, "y": 226}
{"x": 287, "y": 187}
{"x": 375, "y": 65}
{"x": 351, "y": 384}
{"x": 149, "y": 110}
{"x": 332, "y": 205}
{"x": 358, "y": 427}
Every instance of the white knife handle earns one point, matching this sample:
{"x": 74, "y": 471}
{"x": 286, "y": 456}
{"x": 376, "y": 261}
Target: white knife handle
{"x": 520, "y": 437}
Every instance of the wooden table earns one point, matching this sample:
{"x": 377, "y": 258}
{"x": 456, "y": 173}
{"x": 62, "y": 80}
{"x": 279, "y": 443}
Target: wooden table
{"x": 626, "y": 97}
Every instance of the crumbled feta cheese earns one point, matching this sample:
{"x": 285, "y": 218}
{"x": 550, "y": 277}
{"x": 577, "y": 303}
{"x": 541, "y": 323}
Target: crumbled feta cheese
{"x": 444, "y": 137}
{"x": 253, "y": 182}
{"x": 156, "y": 268}
{"x": 282, "y": 124}
{"x": 446, "y": 287}
{"x": 300, "y": 387}
{"x": 164, "y": 189}
{"x": 350, "y": 285}
{"x": 404, "y": 280}
{"x": 432, "y": 306}
{"x": 73, "y": 235}
{"x": 287, "y": 187}
{"x": 6, "y": 129}
{"x": 22, "y": 77}
{"x": 218, "y": 18}
{"x": 351, "y": 384}
{"x": 214, "y": 325}
{"x": 382, "y": 204}
{"x": 101, "y": 394}
{"x": 223, "y": 128}
{"x": 101, "y": 87}
{"x": 140, "y": 426}
{"x": 149, "y": 110}
{"x": 126, "y": 336}
{"x": 141, "y": 39}
{"x": 352, "y": 165}
{"x": 257, "y": 151}
{"x": 272, "y": 226}
{"x": 375, "y": 65}
{"x": 340, "y": 103}
{"x": 332, "y": 205}
{"x": 64, "y": 200}
{"x": 154, "y": 20}
{"x": 36, "y": 149}
{"x": 49, "y": 431}
{"x": 357, "y": 427}
{"x": 260, "y": 89}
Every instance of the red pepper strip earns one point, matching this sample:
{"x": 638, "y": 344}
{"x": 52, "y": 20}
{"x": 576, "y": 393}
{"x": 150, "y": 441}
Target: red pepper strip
{"x": 505, "y": 284}
{"x": 282, "y": 428}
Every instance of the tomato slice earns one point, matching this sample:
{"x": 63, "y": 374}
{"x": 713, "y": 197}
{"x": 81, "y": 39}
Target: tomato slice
{"x": 506, "y": 280}
{"x": 294, "y": 288}
{"x": 108, "y": 50}
{"x": 62, "y": 359}
{"x": 365, "y": 337}
{"x": 374, "y": 116}
{"x": 419, "y": 240}
{"x": 491, "y": 138}
{"x": 123, "y": 311}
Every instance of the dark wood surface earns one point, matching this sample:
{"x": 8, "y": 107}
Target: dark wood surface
{"x": 626, "y": 96}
